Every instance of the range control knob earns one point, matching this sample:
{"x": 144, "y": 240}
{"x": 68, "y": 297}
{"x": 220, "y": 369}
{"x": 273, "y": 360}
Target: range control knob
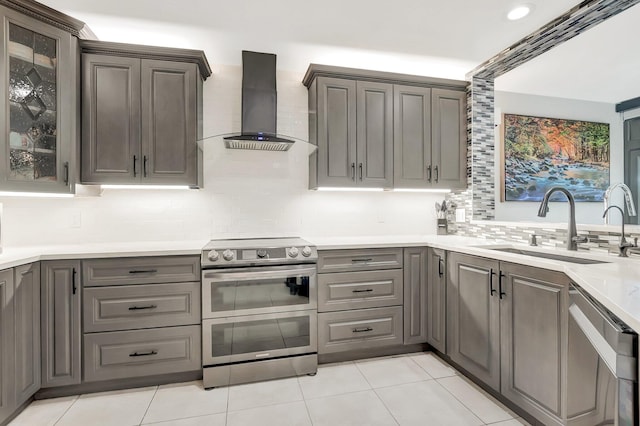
{"x": 293, "y": 252}
{"x": 262, "y": 253}
{"x": 213, "y": 255}
{"x": 227, "y": 254}
{"x": 306, "y": 251}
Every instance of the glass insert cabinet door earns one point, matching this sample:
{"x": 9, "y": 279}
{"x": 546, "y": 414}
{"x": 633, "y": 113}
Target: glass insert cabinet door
{"x": 38, "y": 96}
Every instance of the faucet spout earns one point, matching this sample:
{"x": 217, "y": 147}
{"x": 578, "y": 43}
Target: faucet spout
{"x": 628, "y": 200}
{"x": 572, "y": 238}
{"x": 624, "y": 246}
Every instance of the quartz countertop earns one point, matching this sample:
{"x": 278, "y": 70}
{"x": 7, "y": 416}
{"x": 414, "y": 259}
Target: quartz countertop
{"x": 616, "y": 284}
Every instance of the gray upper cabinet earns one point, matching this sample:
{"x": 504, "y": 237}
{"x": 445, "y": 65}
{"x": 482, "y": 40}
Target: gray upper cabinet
{"x": 412, "y": 137}
{"x": 38, "y": 87}
{"x": 473, "y": 321}
{"x": 436, "y": 299}
{"x": 141, "y": 114}
{"x": 449, "y": 138}
{"x": 374, "y": 154}
{"x": 27, "y": 331}
{"x": 60, "y": 323}
{"x": 415, "y": 295}
{"x": 7, "y": 394}
{"x": 409, "y": 131}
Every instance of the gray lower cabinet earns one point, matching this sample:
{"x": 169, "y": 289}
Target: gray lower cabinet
{"x": 7, "y": 394}
{"x": 140, "y": 114}
{"x": 508, "y": 326}
{"x": 359, "y": 329}
{"x": 359, "y": 260}
{"x": 436, "y": 299}
{"x": 61, "y": 323}
{"x": 473, "y": 316}
{"x": 415, "y": 295}
{"x": 140, "y": 270}
{"x": 124, "y": 354}
{"x": 26, "y": 300}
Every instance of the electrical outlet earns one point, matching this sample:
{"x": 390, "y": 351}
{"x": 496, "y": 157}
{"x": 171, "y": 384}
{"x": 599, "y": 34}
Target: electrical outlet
{"x": 460, "y": 215}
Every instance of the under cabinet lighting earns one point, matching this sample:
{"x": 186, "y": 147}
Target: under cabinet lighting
{"x": 34, "y": 195}
{"x": 519, "y": 12}
{"x": 327, "y": 188}
{"x": 145, "y": 187}
{"x": 440, "y": 191}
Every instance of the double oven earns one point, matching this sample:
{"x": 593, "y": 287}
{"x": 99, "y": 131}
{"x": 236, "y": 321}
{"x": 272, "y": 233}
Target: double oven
{"x": 259, "y": 310}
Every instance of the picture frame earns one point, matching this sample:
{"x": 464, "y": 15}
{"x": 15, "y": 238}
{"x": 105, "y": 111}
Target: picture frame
{"x": 539, "y": 153}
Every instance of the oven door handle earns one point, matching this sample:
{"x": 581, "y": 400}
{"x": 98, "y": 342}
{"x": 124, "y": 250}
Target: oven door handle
{"x": 245, "y": 276}
{"x": 599, "y": 343}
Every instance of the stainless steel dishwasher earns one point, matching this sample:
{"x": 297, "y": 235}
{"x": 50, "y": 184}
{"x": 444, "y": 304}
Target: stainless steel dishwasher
{"x": 602, "y": 365}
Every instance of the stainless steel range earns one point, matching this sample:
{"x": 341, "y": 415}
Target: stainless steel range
{"x": 259, "y": 310}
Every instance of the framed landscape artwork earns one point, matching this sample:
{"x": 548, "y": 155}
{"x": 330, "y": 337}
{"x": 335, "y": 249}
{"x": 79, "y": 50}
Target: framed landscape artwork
{"x": 540, "y": 153}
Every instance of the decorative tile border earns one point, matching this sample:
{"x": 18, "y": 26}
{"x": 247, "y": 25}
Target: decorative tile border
{"x": 478, "y": 199}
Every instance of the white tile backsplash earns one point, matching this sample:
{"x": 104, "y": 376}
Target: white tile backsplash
{"x": 246, "y": 193}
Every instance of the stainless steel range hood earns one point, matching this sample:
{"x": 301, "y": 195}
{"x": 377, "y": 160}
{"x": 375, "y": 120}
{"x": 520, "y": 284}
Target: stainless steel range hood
{"x": 259, "y": 106}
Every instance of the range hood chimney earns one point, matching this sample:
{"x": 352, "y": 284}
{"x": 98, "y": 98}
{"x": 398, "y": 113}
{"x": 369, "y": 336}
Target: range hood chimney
{"x": 259, "y": 106}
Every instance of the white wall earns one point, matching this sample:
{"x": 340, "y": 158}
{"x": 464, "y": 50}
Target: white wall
{"x": 543, "y": 106}
{"x": 246, "y": 193}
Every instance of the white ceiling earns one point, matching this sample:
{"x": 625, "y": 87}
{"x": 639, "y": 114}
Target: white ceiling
{"x": 444, "y": 38}
{"x": 602, "y": 65}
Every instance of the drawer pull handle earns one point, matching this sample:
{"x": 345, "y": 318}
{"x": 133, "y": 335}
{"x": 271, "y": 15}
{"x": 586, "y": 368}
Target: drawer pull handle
{"x": 144, "y": 353}
{"x": 361, "y": 260}
{"x": 139, "y": 308}
{"x": 362, "y": 330}
{"x": 368, "y": 290}
{"x": 143, "y": 271}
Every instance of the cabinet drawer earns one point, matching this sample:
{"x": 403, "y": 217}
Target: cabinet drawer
{"x": 359, "y": 260}
{"x": 360, "y": 329}
{"x": 140, "y": 270}
{"x": 355, "y": 290}
{"x": 138, "y": 353}
{"x": 141, "y": 306}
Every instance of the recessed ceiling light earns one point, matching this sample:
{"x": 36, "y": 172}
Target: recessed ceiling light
{"x": 518, "y": 12}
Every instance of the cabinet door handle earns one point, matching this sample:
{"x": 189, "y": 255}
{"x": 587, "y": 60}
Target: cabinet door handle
{"x": 435, "y": 171}
{"x": 139, "y": 308}
{"x": 144, "y": 165}
{"x": 66, "y": 173}
{"x": 369, "y": 259}
{"x": 368, "y": 290}
{"x": 143, "y": 271}
{"x": 429, "y": 172}
{"x": 502, "y": 293}
{"x": 353, "y": 171}
{"x": 135, "y": 160}
{"x": 360, "y": 166}
{"x": 362, "y": 330}
{"x": 493, "y": 290}
{"x": 440, "y": 268}
{"x": 74, "y": 288}
{"x": 154, "y": 352}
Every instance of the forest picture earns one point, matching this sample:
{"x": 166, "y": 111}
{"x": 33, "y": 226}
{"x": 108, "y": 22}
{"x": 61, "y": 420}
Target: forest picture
{"x": 540, "y": 153}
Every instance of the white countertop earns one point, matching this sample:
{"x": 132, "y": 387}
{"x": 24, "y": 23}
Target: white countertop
{"x": 615, "y": 284}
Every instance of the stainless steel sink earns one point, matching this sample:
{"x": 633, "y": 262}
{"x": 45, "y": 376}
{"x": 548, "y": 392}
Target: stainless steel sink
{"x": 549, "y": 255}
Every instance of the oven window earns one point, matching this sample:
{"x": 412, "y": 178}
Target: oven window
{"x": 259, "y": 293}
{"x": 258, "y": 336}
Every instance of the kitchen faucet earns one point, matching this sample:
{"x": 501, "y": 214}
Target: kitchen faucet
{"x": 572, "y": 239}
{"x": 628, "y": 199}
{"x": 624, "y": 245}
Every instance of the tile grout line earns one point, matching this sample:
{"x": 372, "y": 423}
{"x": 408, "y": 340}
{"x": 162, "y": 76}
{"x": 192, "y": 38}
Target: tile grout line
{"x": 65, "y": 411}
{"x": 469, "y": 408}
{"x": 386, "y": 408}
{"x": 304, "y": 400}
{"x": 149, "y": 406}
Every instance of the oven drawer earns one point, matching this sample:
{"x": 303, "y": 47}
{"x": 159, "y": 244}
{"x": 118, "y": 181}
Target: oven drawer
{"x": 355, "y": 290}
{"x": 140, "y": 270}
{"x": 359, "y": 260}
{"x": 141, "y": 306}
{"x": 360, "y": 329}
{"x": 124, "y": 354}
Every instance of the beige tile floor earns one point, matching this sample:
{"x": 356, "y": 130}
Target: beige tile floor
{"x": 416, "y": 389}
